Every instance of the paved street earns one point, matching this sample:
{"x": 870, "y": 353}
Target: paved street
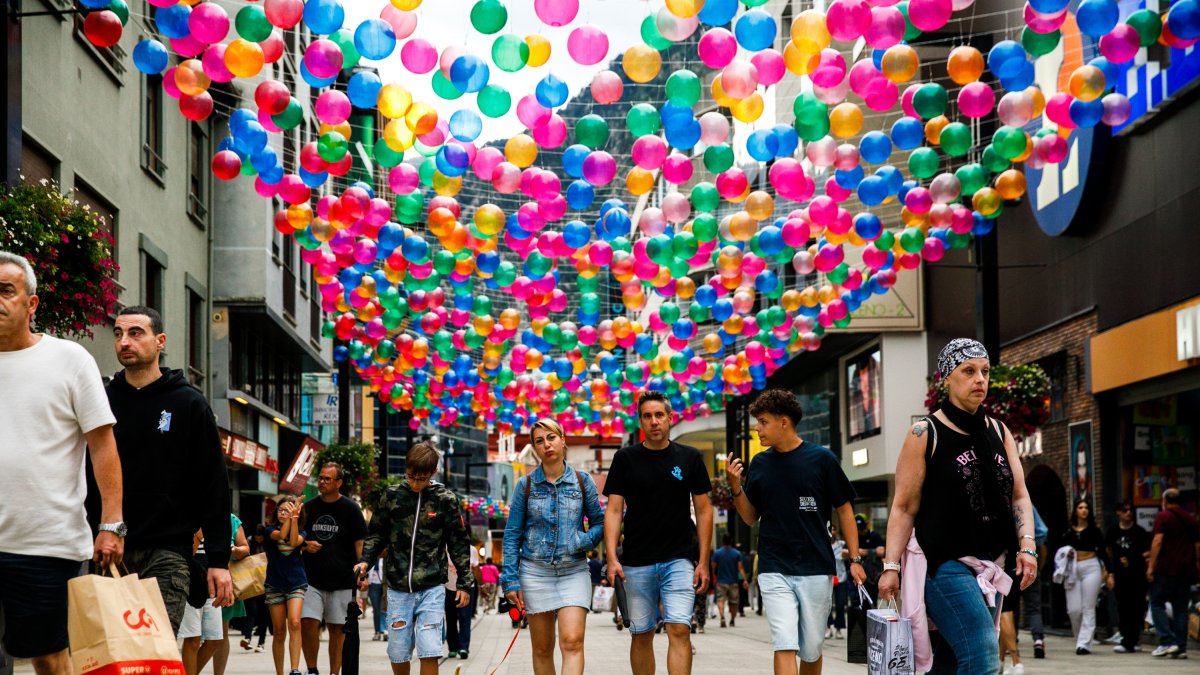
{"x": 743, "y": 649}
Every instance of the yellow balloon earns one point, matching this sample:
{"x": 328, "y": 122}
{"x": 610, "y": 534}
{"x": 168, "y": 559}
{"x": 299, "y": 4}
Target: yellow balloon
{"x": 964, "y": 65}
{"x": 986, "y": 201}
{"x": 191, "y": 79}
{"x": 639, "y": 181}
{"x": 520, "y": 150}
{"x": 539, "y": 50}
{"x": 1039, "y": 101}
{"x": 685, "y": 8}
{"x": 719, "y": 95}
{"x": 760, "y": 205}
{"x": 1087, "y": 83}
{"x": 642, "y": 63}
{"x": 900, "y": 63}
{"x": 393, "y": 101}
{"x": 809, "y": 31}
{"x": 406, "y": 5}
{"x": 748, "y": 109}
{"x": 398, "y": 136}
{"x": 421, "y": 118}
{"x": 489, "y": 219}
{"x": 1010, "y": 184}
{"x": 845, "y": 120}
{"x": 447, "y": 186}
{"x": 799, "y": 61}
{"x": 343, "y": 129}
{"x": 244, "y": 58}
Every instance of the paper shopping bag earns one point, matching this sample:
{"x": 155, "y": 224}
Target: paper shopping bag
{"x": 119, "y": 626}
{"x": 249, "y": 576}
{"x": 889, "y": 643}
{"x": 856, "y": 627}
{"x": 602, "y": 598}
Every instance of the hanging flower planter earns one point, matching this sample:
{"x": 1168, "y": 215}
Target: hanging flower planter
{"x": 1019, "y": 396}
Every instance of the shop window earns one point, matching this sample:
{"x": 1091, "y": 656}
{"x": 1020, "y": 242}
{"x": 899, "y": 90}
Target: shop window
{"x": 152, "y": 127}
{"x": 863, "y": 395}
{"x": 818, "y": 400}
{"x": 1055, "y": 366}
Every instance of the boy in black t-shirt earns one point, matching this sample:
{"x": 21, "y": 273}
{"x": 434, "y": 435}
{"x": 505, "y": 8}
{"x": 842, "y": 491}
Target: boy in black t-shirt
{"x": 652, "y": 487}
{"x": 793, "y": 487}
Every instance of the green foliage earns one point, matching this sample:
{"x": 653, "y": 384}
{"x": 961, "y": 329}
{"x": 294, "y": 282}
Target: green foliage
{"x": 372, "y": 499}
{"x": 1019, "y": 396}
{"x": 358, "y": 464}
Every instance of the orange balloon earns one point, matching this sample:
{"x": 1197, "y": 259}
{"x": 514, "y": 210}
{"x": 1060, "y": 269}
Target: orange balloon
{"x": 965, "y": 65}
{"x": 933, "y": 129}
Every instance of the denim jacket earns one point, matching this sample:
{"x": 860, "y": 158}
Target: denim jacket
{"x": 549, "y": 528}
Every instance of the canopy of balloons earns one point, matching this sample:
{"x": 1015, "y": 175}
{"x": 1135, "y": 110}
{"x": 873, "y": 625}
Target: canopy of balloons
{"x": 486, "y": 507}
{"x": 407, "y": 284}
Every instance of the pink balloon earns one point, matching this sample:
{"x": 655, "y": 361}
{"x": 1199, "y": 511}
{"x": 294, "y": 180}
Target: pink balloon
{"x": 906, "y": 101}
{"x": 531, "y": 113}
{"x": 848, "y": 19}
{"x": 333, "y": 107}
{"x": 168, "y": 83}
{"x": 1052, "y": 148}
{"x": 976, "y": 100}
{"x": 929, "y": 15}
{"x": 739, "y": 79}
{"x": 1058, "y": 109}
{"x": 214, "y": 64}
{"x": 187, "y": 46}
{"x": 418, "y": 56}
{"x": 717, "y": 47}
{"x": 599, "y": 168}
{"x": 607, "y": 87}
{"x": 714, "y": 128}
{"x": 832, "y": 95}
{"x": 677, "y": 169}
{"x": 282, "y": 13}
{"x": 551, "y": 133}
{"x": 881, "y": 94}
{"x": 861, "y": 74}
{"x": 831, "y": 69}
{"x": 1121, "y": 44}
{"x": 1043, "y": 23}
{"x": 886, "y": 29}
{"x": 208, "y": 22}
{"x": 587, "y": 45}
{"x": 323, "y": 58}
{"x": 649, "y": 152}
{"x": 771, "y": 66}
{"x": 272, "y": 47}
{"x": 403, "y": 23}
{"x": 486, "y": 161}
{"x": 556, "y": 12}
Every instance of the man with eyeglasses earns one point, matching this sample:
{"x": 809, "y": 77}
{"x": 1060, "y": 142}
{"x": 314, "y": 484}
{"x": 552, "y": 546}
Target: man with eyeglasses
{"x": 336, "y": 530}
{"x": 1127, "y": 545}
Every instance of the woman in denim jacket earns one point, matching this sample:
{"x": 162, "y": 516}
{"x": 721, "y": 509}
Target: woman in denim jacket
{"x": 545, "y": 550}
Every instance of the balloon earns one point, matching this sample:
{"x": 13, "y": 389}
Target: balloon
{"x": 150, "y": 56}
{"x": 900, "y": 63}
{"x": 510, "y": 53}
{"x": 469, "y": 74}
{"x": 556, "y": 12}
{"x": 1086, "y": 83}
{"x": 489, "y": 16}
{"x": 374, "y": 39}
{"x": 771, "y": 67}
{"x": 252, "y": 24}
{"x": 208, "y": 22}
{"x": 683, "y": 88}
{"x": 1147, "y": 24}
{"x": 539, "y": 50}
{"x": 1097, "y": 17}
{"x": 641, "y": 63}
{"x": 103, "y": 28}
{"x": 494, "y": 101}
{"x": 1121, "y": 44}
{"x": 283, "y": 14}
{"x": 845, "y": 120}
{"x": 755, "y": 30}
{"x": 717, "y": 47}
{"x": 1040, "y": 44}
{"x": 674, "y": 28}
{"x": 1117, "y": 109}
{"x": 847, "y": 20}
{"x": 587, "y": 45}
{"x": 886, "y": 29}
{"x": 607, "y": 87}
{"x": 975, "y": 100}
{"x": 929, "y": 15}
{"x": 718, "y": 12}
{"x": 551, "y": 92}
{"x": 323, "y": 17}
{"x": 929, "y": 101}
{"x": 964, "y": 65}
{"x": 323, "y": 58}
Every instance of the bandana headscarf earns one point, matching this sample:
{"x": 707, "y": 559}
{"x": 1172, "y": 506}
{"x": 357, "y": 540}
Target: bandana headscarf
{"x": 957, "y": 351}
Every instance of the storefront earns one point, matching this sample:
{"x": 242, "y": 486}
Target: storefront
{"x": 1147, "y": 375}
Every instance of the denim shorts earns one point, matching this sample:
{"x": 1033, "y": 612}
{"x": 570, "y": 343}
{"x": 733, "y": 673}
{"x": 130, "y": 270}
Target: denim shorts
{"x": 797, "y": 609}
{"x": 547, "y": 587}
{"x": 670, "y": 582}
{"x": 33, "y": 596}
{"x": 202, "y": 623}
{"x": 415, "y": 618}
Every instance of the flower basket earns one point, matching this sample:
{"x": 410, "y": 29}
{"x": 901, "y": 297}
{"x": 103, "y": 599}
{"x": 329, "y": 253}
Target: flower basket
{"x": 1019, "y": 396}
{"x": 720, "y": 496}
{"x": 70, "y": 250}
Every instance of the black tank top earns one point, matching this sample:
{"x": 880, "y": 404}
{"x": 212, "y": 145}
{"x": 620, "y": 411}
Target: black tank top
{"x": 966, "y": 499}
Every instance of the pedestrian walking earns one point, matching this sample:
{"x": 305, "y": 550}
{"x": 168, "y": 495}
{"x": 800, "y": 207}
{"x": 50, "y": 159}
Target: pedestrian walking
{"x": 1031, "y": 597}
{"x": 596, "y": 570}
{"x": 1128, "y": 546}
{"x": 418, "y": 522}
{"x": 545, "y": 550}
{"x": 841, "y": 559}
{"x": 375, "y": 596}
{"x": 729, "y": 572}
{"x": 959, "y": 481}
{"x": 218, "y": 650}
{"x": 489, "y": 573}
{"x": 258, "y": 616}
{"x": 287, "y": 582}
{"x": 336, "y": 529}
{"x": 174, "y": 476}
{"x": 1172, "y": 569}
{"x": 201, "y": 624}
{"x": 458, "y": 619}
{"x": 792, "y": 488}
{"x": 1085, "y": 542}
{"x": 55, "y": 414}
{"x": 652, "y": 488}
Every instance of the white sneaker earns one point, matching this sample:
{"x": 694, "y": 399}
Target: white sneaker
{"x": 1164, "y": 650}
{"x": 828, "y": 633}
{"x": 1114, "y": 640}
{"x": 1120, "y": 649}
{"x": 1018, "y": 669}
{"x": 838, "y": 634}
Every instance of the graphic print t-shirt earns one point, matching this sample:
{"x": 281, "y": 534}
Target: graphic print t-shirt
{"x": 795, "y": 494}
{"x": 657, "y": 486}
{"x": 335, "y": 526}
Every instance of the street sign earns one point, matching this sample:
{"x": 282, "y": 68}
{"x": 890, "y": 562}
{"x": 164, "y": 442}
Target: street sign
{"x": 325, "y": 410}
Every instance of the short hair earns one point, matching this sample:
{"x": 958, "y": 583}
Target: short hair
{"x": 156, "y": 322}
{"x": 422, "y": 459}
{"x": 7, "y": 258}
{"x": 1122, "y": 505}
{"x": 651, "y": 396}
{"x": 341, "y": 473}
{"x": 1171, "y": 495}
{"x": 726, "y": 540}
{"x": 779, "y": 402}
{"x": 547, "y": 424}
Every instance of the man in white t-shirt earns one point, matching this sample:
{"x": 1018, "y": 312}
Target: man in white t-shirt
{"x": 54, "y": 407}
{"x": 458, "y": 619}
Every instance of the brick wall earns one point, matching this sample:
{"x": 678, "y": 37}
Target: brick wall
{"x": 1070, "y": 337}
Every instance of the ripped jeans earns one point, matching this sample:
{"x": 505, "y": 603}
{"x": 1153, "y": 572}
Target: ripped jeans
{"x": 415, "y": 619}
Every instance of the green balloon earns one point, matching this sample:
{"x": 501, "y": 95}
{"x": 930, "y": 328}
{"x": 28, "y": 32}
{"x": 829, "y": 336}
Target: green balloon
{"x": 425, "y": 150}
{"x": 494, "y": 101}
{"x": 838, "y": 274}
{"x": 705, "y": 198}
{"x": 956, "y": 139}
{"x": 668, "y": 312}
{"x": 658, "y": 249}
{"x": 911, "y": 32}
{"x": 385, "y": 155}
{"x": 552, "y": 333}
{"x": 621, "y": 244}
{"x": 652, "y": 36}
{"x": 443, "y": 87}
{"x": 538, "y": 265}
{"x": 685, "y": 245}
{"x": 705, "y": 226}
{"x": 489, "y": 16}
{"x": 912, "y": 239}
{"x": 923, "y": 163}
{"x": 699, "y": 313}
{"x": 291, "y": 116}
{"x": 251, "y": 24}
{"x": 592, "y": 131}
{"x": 1147, "y": 24}
{"x": 886, "y": 241}
{"x": 332, "y": 146}
{"x": 958, "y": 240}
{"x": 510, "y": 53}
{"x": 683, "y": 88}
{"x": 344, "y": 38}
{"x": 930, "y": 100}
{"x": 992, "y": 161}
{"x": 588, "y": 284}
{"x": 443, "y": 261}
{"x": 642, "y": 120}
{"x": 426, "y": 171}
{"x": 1009, "y": 142}
{"x": 505, "y": 274}
{"x": 754, "y": 3}
{"x": 971, "y": 177}
{"x": 718, "y": 158}
{"x": 410, "y": 207}
{"x": 1039, "y": 44}
{"x": 812, "y": 117}
{"x": 121, "y": 9}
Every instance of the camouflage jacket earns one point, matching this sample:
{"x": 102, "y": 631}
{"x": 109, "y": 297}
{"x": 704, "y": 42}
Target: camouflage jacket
{"x": 417, "y": 529}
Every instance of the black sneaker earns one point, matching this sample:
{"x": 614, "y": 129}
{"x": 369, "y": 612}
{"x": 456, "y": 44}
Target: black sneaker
{"x": 1039, "y": 649}
{"x": 1080, "y": 651}
{"x": 693, "y": 629}
{"x": 463, "y": 654}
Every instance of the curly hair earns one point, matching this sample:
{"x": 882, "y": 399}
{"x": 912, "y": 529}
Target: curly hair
{"x": 778, "y": 402}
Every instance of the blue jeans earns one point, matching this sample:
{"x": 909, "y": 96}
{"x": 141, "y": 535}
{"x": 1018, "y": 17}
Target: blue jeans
{"x": 1171, "y": 631}
{"x": 375, "y": 595}
{"x": 837, "y": 617}
{"x": 416, "y": 620}
{"x": 458, "y": 623}
{"x": 670, "y": 582}
{"x": 967, "y": 626}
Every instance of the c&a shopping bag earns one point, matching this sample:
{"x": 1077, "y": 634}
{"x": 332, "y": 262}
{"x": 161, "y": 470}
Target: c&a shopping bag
{"x": 119, "y": 625}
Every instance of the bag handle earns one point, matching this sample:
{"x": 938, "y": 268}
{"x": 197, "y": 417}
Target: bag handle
{"x": 863, "y": 595}
{"x": 890, "y": 603}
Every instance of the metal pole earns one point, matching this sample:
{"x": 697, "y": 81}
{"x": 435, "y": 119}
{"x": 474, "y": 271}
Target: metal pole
{"x": 10, "y": 113}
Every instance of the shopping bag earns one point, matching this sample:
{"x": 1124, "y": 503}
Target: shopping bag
{"x": 856, "y": 627}
{"x": 602, "y": 598}
{"x": 889, "y": 643}
{"x": 119, "y": 624}
{"x": 249, "y": 576}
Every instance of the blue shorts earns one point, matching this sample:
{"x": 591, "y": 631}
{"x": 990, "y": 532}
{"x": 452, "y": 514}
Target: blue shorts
{"x": 670, "y": 582}
{"x": 797, "y": 610}
{"x": 416, "y": 618}
{"x": 548, "y": 587}
{"x": 33, "y": 597}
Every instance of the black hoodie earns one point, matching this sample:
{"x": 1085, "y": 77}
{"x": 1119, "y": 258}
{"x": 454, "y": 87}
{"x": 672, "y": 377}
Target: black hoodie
{"x": 172, "y": 467}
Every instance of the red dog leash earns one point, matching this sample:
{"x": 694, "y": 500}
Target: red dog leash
{"x": 516, "y": 614}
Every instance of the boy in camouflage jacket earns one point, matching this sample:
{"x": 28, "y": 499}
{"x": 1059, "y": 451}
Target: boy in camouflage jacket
{"x": 418, "y": 522}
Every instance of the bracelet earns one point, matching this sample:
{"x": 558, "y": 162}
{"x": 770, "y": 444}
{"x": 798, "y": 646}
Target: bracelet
{"x": 1029, "y": 537}
{"x": 856, "y": 560}
{"x": 737, "y": 494}
{"x": 891, "y": 567}
{"x": 1030, "y": 552}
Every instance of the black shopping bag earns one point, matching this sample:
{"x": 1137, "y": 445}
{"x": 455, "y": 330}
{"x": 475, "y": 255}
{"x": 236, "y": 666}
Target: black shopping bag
{"x": 856, "y": 627}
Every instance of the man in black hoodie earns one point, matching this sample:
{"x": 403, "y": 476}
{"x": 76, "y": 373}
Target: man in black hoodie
{"x": 174, "y": 478}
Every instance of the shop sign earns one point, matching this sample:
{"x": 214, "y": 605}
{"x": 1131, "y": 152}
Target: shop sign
{"x": 1187, "y": 333}
{"x": 242, "y": 450}
{"x": 298, "y": 474}
{"x": 325, "y": 410}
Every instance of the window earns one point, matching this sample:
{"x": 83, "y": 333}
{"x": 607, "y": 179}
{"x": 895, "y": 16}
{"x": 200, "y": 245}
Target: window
{"x": 863, "y": 393}
{"x": 107, "y": 213}
{"x": 153, "y": 283}
{"x": 289, "y": 278}
{"x": 197, "y": 322}
{"x": 316, "y": 318}
{"x": 111, "y": 59}
{"x": 1055, "y": 366}
{"x": 152, "y": 127}
{"x": 36, "y": 163}
{"x": 199, "y": 156}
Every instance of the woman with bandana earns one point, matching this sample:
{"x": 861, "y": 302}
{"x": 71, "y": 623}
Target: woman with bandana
{"x": 960, "y": 495}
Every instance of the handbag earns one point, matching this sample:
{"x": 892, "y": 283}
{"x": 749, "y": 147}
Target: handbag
{"x": 119, "y": 624}
{"x": 856, "y": 628}
{"x": 889, "y": 642}
{"x": 249, "y": 576}
{"x": 602, "y": 598}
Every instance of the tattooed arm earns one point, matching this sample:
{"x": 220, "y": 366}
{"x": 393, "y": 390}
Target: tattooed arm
{"x": 1027, "y": 565}
{"x": 910, "y": 476}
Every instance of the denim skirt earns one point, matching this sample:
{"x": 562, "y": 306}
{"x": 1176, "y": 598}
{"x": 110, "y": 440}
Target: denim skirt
{"x": 548, "y": 587}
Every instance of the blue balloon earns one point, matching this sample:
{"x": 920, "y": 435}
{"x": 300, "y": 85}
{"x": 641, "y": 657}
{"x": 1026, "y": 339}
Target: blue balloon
{"x": 1049, "y": 6}
{"x": 872, "y": 190}
{"x": 1022, "y": 78}
{"x": 576, "y": 233}
{"x": 1112, "y": 71}
{"x": 150, "y": 57}
{"x": 391, "y": 235}
{"x": 273, "y": 176}
{"x": 905, "y": 187}
{"x": 252, "y": 135}
{"x": 675, "y": 115}
{"x": 469, "y": 74}
{"x": 415, "y": 248}
{"x": 465, "y": 125}
{"x": 705, "y": 296}
{"x": 755, "y": 30}
{"x": 770, "y": 240}
{"x": 374, "y": 39}
{"x": 96, "y": 4}
{"x": 908, "y": 133}
{"x": 868, "y": 226}
{"x": 312, "y": 80}
{"x": 718, "y": 12}
{"x": 849, "y": 180}
{"x": 487, "y": 262}
{"x": 1097, "y": 17}
{"x": 875, "y": 147}
{"x": 312, "y": 180}
{"x": 452, "y": 160}
{"x": 892, "y": 176}
{"x": 239, "y": 118}
{"x": 572, "y": 160}
{"x": 762, "y": 145}
{"x": 616, "y": 223}
{"x": 1086, "y": 114}
{"x": 264, "y": 159}
{"x": 363, "y": 89}
{"x": 1006, "y": 57}
{"x": 324, "y": 17}
{"x": 580, "y": 195}
{"x": 722, "y": 309}
{"x": 684, "y": 138}
{"x": 173, "y": 21}
{"x": 1184, "y": 19}
{"x": 877, "y": 57}
{"x": 551, "y": 92}
{"x": 982, "y": 225}
{"x": 788, "y": 139}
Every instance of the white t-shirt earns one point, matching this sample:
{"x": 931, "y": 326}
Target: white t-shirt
{"x": 452, "y": 579}
{"x": 53, "y": 395}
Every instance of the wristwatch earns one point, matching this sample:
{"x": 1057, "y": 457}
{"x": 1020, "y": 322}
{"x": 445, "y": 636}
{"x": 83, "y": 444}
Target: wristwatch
{"x": 856, "y": 559}
{"x": 891, "y": 567}
{"x": 118, "y": 528}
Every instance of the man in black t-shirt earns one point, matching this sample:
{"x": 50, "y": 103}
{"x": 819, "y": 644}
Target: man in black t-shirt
{"x": 1127, "y": 545}
{"x": 652, "y": 487}
{"x": 336, "y": 531}
{"x": 793, "y": 487}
